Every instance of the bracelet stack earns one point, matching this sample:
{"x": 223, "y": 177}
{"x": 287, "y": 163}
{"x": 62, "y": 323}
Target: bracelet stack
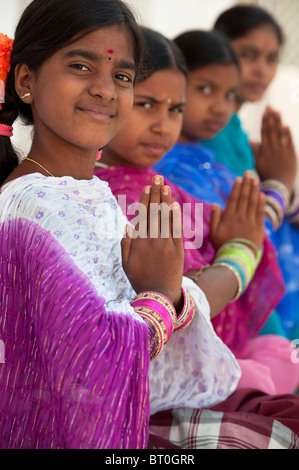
{"x": 187, "y": 314}
{"x": 242, "y": 257}
{"x": 292, "y": 212}
{"x": 277, "y": 201}
{"x": 162, "y": 318}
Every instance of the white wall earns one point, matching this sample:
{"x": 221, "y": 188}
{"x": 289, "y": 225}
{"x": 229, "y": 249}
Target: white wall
{"x": 171, "y": 17}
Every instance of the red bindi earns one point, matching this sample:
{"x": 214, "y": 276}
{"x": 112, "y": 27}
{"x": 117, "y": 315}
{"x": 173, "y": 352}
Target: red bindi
{"x": 110, "y": 51}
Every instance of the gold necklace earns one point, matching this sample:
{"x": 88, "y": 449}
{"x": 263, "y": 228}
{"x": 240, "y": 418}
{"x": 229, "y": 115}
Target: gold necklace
{"x": 31, "y": 160}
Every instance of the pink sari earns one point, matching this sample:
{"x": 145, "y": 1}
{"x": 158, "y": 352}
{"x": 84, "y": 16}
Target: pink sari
{"x": 262, "y": 359}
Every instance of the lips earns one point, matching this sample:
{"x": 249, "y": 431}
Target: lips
{"x": 99, "y": 113}
{"x": 257, "y": 87}
{"x": 155, "y": 149}
{"x": 214, "y": 126}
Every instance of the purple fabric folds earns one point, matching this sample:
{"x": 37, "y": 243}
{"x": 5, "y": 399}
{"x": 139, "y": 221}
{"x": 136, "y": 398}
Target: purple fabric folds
{"x": 75, "y": 375}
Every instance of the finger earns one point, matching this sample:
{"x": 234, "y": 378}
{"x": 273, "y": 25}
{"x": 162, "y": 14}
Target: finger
{"x": 244, "y": 194}
{"x": 154, "y": 215}
{"x": 216, "y": 213}
{"x": 286, "y": 140}
{"x": 232, "y": 201}
{"x": 141, "y": 225}
{"x": 253, "y": 199}
{"x": 270, "y": 128}
{"x": 277, "y": 128}
{"x": 261, "y": 210}
{"x": 126, "y": 244}
{"x": 176, "y": 223}
{"x": 166, "y": 224}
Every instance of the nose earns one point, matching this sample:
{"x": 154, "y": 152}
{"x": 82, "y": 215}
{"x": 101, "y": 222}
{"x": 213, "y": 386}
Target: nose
{"x": 261, "y": 69}
{"x": 161, "y": 122}
{"x": 103, "y": 87}
{"x": 221, "y": 105}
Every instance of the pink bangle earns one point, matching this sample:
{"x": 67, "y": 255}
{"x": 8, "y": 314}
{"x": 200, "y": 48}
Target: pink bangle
{"x": 160, "y": 312}
{"x": 188, "y": 312}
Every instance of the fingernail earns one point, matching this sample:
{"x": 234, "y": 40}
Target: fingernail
{"x": 165, "y": 190}
{"x": 157, "y": 179}
{"x": 175, "y": 205}
{"x": 147, "y": 189}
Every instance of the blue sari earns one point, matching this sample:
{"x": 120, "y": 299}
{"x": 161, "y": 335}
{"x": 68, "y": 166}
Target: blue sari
{"x": 194, "y": 168}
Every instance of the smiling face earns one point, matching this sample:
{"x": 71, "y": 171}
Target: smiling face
{"x": 258, "y": 52}
{"x": 83, "y": 93}
{"x": 154, "y": 123}
{"x": 211, "y": 100}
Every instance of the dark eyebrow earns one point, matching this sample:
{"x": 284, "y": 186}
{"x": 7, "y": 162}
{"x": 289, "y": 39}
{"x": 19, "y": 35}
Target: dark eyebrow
{"x": 154, "y": 100}
{"x": 256, "y": 49}
{"x": 207, "y": 80}
{"x": 90, "y": 55}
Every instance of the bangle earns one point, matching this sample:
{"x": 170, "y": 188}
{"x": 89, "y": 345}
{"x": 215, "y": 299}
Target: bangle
{"x": 292, "y": 212}
{"x": 249, "y": 243}
{"x": 273, "y": 216}
{"x": 198, "y": 273}
{"x": 277, "y": 187}
{"x": 160, "y": 313}
{"x": 188, "y": 312}
{"x": 238, "y": 256}
{"x": 277, "y": 200}
{"x": 237, "y": 275}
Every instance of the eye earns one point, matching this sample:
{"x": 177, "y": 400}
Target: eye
{"x": 232, "y": 96}
{"x": 246, "y": 55}
{"x": 273, "y": 59}
{"x": 205, "y": 89}
{"x": 177, "y": 109}
{"x": 80, "y": 67}
{"x": 144, "y": 104}
{"x": 124, "y": 78}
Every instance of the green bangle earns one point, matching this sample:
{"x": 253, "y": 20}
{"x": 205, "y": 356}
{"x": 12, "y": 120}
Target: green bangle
{"x": 235, "y": 253}
{"x": 247, "y": 242}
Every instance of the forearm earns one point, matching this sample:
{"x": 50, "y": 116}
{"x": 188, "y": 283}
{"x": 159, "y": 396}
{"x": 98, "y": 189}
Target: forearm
{"x": 219, "y": 285}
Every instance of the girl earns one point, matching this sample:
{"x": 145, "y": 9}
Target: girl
{"x": 257, "y": 40}
{"x": 83, "y": 309}
{"x": 151, "y": 130}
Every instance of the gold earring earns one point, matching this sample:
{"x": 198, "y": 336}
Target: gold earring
{"x": 26, "y": 95}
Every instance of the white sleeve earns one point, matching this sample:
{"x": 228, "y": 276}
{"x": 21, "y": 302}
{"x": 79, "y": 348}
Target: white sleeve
{"x": 195, "y": 369}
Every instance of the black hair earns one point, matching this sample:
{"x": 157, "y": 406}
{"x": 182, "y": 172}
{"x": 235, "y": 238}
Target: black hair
{"x": 45, "y": 27}
{"x": 161, "y": 53}
{"x": 239, "y": 20}
{"x": 201, "y": 48}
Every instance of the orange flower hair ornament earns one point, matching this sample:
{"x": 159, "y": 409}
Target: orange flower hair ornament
{"x": 5, "y": 51}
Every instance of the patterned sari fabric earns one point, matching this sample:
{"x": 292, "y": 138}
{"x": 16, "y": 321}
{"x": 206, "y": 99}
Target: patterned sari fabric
{"x": 76, "y": 372}
{"x": 238, "y": 324}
